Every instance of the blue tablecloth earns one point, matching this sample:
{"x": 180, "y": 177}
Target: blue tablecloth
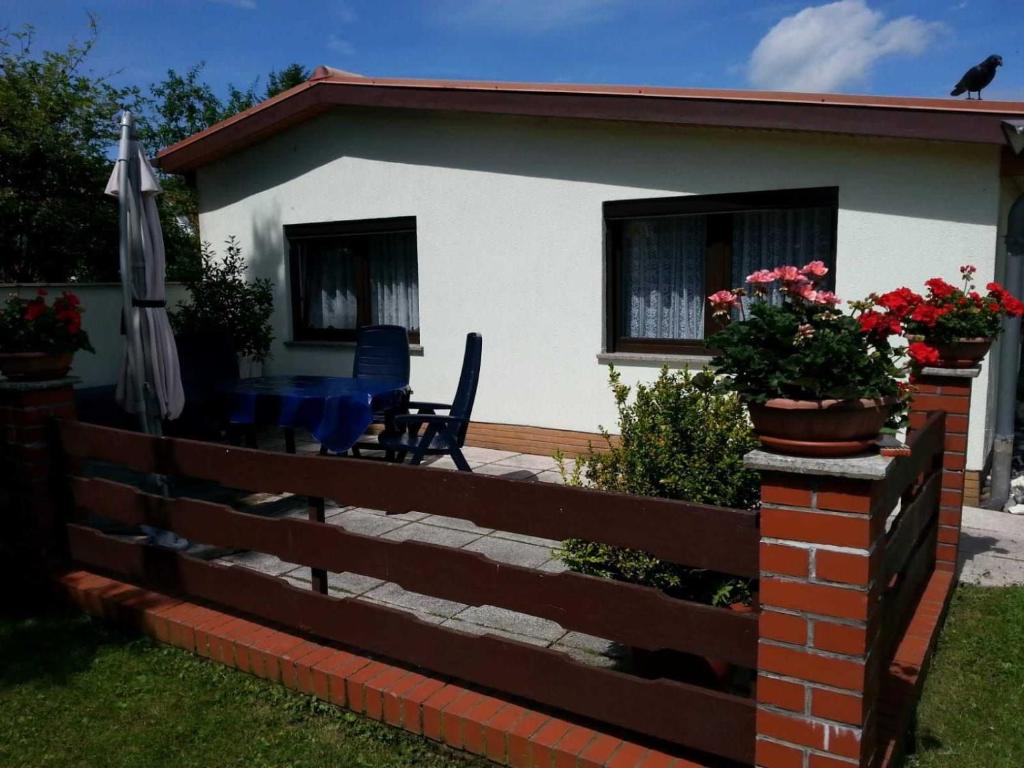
{"x": 336, "y": 410}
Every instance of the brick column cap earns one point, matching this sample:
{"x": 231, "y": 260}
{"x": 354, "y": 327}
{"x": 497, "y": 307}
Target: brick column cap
{"x": 9, "y": 385}
{"x": 953, "y": 373}
{"x": 861, "y": 467}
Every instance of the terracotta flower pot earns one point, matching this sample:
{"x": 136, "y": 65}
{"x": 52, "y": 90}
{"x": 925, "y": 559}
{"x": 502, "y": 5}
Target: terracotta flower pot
{"x": 723, "y": 671}
{"x": 35, "y": 366}
{"x": 962, "y": 353}
{"x": 820, "y": 427}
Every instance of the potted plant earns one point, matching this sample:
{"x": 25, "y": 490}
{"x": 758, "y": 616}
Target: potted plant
{"x": 951, "y": 327}
{"x": 816, "y": 382}
{"x": 37, "y": 339}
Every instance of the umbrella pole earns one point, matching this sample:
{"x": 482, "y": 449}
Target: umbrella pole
{"x": 126, "y": 237}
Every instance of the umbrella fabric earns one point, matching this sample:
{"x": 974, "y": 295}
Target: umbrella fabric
{"x": 158, "y": 350}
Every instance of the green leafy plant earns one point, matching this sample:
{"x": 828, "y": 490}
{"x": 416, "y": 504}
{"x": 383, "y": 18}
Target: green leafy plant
{"x": 680, "y": 438}
{"x": 802, "y": 348}
{"x": 32, "y": 325}
{"x": 223, "y": 301}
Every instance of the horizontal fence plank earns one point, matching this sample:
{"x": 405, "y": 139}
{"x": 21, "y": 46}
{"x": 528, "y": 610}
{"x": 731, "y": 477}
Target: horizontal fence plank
{"x": 717, "y": 538}
{"x": 910, "y": 524}
{"x": 626, "y": 613}
{"x": 926, "y": 446}
{"x": 699, "y": 718}
{"x": 904, "y": 589}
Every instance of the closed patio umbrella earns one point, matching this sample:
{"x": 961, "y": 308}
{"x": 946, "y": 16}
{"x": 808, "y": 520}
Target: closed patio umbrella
{"x": 150, "y": 380}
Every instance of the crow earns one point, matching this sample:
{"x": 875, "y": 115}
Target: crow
{"x": 978, "y": 77}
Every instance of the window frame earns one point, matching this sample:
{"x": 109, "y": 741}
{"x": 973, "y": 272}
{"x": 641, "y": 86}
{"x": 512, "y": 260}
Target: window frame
{"x": 717, "y": 256}
{"x": 296, "y": 233}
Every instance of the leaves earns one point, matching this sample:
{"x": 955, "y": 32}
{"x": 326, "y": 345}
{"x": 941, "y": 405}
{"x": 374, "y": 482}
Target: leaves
{"x": 223, "y": 301}
{"x": 681, "y": 438}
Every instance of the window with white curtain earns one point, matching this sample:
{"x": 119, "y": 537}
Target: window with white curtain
{"x": 667, "y": 255}
{"x": 349, "y": 274}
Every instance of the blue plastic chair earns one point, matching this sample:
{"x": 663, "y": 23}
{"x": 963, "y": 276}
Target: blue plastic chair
{"x": 382, "y": 352}
{"x": 428, "y": 433}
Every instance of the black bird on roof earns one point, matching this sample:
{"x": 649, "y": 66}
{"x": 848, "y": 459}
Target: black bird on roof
{"x": 978, "y": 77}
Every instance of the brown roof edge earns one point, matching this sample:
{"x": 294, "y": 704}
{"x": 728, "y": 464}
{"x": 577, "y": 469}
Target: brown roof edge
{"x": 885, "y": 116}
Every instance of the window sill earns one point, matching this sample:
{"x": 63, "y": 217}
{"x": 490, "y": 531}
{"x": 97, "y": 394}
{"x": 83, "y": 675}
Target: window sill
{"x": 649, "y": 360}
{"x": 416, "y": 350}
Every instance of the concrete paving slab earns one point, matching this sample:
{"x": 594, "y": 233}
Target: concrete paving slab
{"x": 554, "y": 565}
{"x": 510, "y": 621}
{"x": 446, "y": 462}
{"x": 551, "y": 476}
{"x": 507, "y": 471}
{"x": 448, "y": 537}
{"x": 367, "y": 523}
{"x": 522, "y": 537}
{"x": 477, "y": 629}
{"x": 530, "y": 461}
{"x": 512, "y": 552}
{"x": 991, "y": 548}
{"x": 394, "y": 595}
{"x": 259, "y": 561}
{"x": 486, "y": 455}
{"x": 457, "y": 523}
{"x": 345, "y": 583}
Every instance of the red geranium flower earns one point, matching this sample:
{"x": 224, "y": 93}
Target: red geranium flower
{"x": 879, "y": 324}
{"x": 923, "y": 354}
{"x": 901, "y": 301}
{"x": 940, "y": 288}
{"x": 34, "y": 309}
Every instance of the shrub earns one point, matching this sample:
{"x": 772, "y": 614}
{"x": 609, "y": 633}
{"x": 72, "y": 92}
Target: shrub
{"x": 32, "y": 325}
{"x": 681, "y": 438}
{"x": 223, "y": 301}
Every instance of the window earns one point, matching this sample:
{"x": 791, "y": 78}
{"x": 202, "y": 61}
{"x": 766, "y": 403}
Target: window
{"x": 667, "y": 255}
{"x": 347, "y": 274}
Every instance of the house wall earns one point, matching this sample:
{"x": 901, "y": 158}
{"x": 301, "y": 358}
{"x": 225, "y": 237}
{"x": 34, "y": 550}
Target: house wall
{"x": 510, "y": 233}
{"x": 101, "y": 320}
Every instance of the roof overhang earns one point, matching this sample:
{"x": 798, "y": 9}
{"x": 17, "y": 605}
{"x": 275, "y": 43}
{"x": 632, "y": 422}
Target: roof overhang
{"x": 978, "y": 122}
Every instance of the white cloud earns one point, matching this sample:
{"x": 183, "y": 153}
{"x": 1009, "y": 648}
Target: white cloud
{"x": 248, "y": 5}
{"x": 340, "y": 45}
{"x": 344, "y": 11}
{"x": 831, "y": 47}
{"x": 527, "y": 15}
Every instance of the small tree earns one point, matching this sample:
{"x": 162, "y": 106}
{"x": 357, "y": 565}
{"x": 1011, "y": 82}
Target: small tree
{"x": 680, "y": 438}
{"x": 223, "y": 302}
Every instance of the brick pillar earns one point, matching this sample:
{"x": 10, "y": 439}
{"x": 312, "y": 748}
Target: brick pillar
{"x": 30, "y": 544}
{"x": 948, "y": 390}
{"x": 822, "y": 522}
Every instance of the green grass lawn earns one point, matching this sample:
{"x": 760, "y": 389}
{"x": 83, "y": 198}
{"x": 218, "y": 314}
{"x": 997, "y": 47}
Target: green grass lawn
{"x": 972, "y": 712}
{"x": 76, "y": 693}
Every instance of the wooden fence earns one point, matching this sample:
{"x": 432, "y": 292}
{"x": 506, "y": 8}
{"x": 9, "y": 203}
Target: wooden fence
{"x": 723, "y": 540}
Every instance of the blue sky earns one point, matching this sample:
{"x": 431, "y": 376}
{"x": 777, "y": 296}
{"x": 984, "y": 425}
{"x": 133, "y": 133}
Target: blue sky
{"x": 867, "y": 46}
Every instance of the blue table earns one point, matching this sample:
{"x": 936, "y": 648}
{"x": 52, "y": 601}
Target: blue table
{"x": 336, "y": 410}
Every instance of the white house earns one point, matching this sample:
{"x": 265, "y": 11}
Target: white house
{"x": 576, "y": 226}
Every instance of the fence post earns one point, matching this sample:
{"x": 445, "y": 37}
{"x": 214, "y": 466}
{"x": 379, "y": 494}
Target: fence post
{"x": 30, "y": 543}
{"x": 948, "y": 390}
{"x": 822, "y": 522}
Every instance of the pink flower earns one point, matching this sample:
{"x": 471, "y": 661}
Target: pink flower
{"x": 723, "y": 301}
{"x": 789, "y": 274}
{"x": 762, "y": 277}
{"x": 827, "y": 297}
{"x": 806, "y": 292}
{"x": 968, "y": 269}
{"x": 815, "y": 269}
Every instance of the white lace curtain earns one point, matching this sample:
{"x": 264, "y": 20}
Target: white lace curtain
{"x": 663, "y": 277}
{"x": 769, "y": 239}
{"x": 394, "y": 280}
{"x": 331, "y": 274}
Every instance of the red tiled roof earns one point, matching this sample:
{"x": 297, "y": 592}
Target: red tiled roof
{"x": 887, "y": 116}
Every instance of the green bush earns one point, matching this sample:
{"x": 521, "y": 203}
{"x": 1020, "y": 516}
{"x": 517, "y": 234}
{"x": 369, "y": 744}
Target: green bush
{"x": 680, "y": 438}
{"x": 223, "y": 301}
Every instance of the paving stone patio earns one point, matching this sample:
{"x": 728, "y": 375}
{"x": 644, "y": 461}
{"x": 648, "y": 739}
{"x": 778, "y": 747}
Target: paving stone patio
{"x": 502, "y": 546}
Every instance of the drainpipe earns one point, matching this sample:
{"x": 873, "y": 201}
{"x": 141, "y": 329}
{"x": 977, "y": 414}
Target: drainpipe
{"x": 1009, "y": 364}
